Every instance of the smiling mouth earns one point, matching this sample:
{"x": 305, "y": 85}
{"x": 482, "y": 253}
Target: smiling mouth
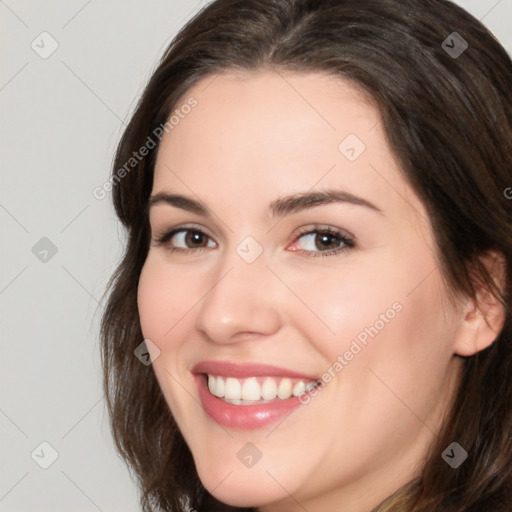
{"x": 256, "y": 390}
{"x": 250, "y": 396}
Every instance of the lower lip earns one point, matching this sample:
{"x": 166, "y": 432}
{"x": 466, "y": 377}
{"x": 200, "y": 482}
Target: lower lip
{"x": 247, "y": 417}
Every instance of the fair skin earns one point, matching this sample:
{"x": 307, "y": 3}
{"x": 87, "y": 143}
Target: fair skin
{"x": 254, "y": 138}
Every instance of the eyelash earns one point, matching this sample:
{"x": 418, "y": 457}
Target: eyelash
{"x": 348, "y": 242}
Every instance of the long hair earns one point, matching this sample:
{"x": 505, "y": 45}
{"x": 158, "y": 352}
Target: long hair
{"x": 446, "y": 110}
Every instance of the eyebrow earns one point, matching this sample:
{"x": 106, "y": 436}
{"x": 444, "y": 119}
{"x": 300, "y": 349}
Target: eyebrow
{"x": 278, "y": 208}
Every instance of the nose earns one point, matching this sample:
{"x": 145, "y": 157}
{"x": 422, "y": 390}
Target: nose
{"x": 242, "y": 302}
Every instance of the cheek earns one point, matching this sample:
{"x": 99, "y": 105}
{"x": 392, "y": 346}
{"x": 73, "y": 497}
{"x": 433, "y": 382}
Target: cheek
{"x": 390, "y": 311}
{"x": 164, "y": 297}
{"x": 162, "y": 305}
{"x": 350, "y": 302}
{"x": 405, "y": 363}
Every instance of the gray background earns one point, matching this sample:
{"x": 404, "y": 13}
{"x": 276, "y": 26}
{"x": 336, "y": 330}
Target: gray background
{"x": 61, "y": 118}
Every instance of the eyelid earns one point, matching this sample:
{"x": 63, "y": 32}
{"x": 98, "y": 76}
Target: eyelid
{"x": 342, "y": 233}
{"x": 167, "y": 233}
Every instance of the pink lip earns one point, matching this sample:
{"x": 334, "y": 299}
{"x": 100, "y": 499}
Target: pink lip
{"x": 245, "y": 370}
{"x": 247, "y": 417}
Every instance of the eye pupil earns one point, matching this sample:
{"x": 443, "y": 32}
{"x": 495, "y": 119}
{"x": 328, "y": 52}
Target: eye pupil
{"x": 326, "y": 241}
{"x": 195, "y": 238}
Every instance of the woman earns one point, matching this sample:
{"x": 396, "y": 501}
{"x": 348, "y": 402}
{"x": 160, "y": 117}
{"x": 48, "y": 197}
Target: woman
{"x": 318, "y": 263}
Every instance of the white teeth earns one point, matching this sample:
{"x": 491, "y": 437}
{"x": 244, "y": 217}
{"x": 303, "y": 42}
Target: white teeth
{"x": 251, "y": 390}
{"x": 235, "y": 402}
{"x": 299, "y": 388}
{"x": 211, "y": 384}
{"x": 285, "y": 389}
{"x": 241, "y": 391}
{"x": 233, "y": 389}
{"x": 220, "y": 387}
{"x": 269, "y": 389}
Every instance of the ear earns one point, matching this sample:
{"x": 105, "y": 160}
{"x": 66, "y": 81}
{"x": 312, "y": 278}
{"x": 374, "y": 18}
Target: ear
{"x": 483, "y": 317}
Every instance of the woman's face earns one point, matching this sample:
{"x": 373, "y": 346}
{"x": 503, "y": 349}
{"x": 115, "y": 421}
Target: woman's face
{"x": 299, "y": 254}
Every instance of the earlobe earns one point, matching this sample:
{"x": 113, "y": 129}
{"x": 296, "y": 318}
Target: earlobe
{"x": 484, "y": 316}
{"x": 476, "y": 333}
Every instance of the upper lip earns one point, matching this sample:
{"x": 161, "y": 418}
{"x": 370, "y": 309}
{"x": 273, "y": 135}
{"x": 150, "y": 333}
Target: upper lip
{"x": 245, "y": 370}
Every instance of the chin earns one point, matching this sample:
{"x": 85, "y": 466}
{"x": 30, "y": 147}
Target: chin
{"x": 240, "y": 487}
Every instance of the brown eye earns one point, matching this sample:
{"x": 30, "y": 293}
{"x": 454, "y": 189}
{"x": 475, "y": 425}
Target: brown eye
{"x": 323, "y": 241}
{"x": 327, "y": 241}
{"x": 184, "y": 239}
{"x": 195, "y": 238}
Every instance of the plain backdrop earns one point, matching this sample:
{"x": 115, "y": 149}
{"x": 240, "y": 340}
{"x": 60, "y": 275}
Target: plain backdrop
{"x": 71, "y": 72}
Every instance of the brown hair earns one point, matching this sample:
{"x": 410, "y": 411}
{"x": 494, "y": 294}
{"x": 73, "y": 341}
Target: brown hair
{"x": 447, "y": 119}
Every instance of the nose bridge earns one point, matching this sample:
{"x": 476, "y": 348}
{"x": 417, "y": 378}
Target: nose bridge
{"x": 240, "y": 297}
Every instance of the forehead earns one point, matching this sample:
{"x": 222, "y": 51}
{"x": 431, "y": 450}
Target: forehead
{"x": 268, "y": 113}
{"x": 255, "y": 135}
